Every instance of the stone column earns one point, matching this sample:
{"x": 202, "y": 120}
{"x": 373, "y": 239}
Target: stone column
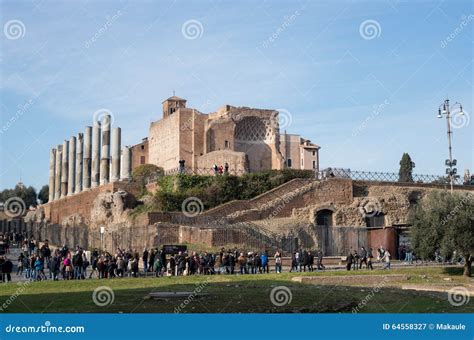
{"x": 95, "y": 155}
{"x": 105, "y": 155}
{"x": 64, "y": 168}
{"x": 57, "y": 175}
{"x": 71, "y": 181}
{"x": 79, "y": 157}
{"x": 86, "y": 173}
{"x": 52, "y": 173}
{"x": 126, "y": 174}
{"x": 116, "y": 142}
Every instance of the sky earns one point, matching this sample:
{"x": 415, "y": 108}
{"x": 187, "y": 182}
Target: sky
{"x": 362, "y": 79}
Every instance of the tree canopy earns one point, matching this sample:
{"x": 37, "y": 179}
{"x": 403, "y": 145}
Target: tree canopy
{"x": 444, "y": 222}
{"x": 26, "y": 194}
{"x": 43, "y": 195}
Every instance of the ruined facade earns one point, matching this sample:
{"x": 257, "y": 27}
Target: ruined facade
{"x": 247, "y": 139}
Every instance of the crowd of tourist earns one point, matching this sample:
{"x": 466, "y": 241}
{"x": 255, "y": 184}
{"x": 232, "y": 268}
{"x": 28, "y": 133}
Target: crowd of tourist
{"x": 39, "y": 262}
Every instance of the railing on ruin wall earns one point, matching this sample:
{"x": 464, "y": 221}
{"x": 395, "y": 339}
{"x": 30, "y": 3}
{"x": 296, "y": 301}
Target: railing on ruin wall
{"x": 196, "y": 171}
{"x": 373, "y": 176}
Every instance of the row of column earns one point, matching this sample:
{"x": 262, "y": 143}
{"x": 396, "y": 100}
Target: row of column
{"x": 86, "y": 162}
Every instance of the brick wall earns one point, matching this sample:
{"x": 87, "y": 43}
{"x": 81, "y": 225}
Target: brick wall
{"x": 81, "y": 203}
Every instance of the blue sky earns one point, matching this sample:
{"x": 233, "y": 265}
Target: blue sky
{"x": 364, "y": 96}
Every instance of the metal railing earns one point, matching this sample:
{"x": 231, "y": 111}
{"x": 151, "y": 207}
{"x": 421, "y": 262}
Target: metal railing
{"x": 372, "y": 176}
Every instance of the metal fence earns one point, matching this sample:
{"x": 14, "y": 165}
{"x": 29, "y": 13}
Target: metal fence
{"x": 385, "y": 176}
{"x": 203, "y": 171}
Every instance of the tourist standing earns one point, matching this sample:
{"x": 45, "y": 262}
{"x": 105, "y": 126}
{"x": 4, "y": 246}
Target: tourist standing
{"x": 356, "y": 260}
{"x": 264, "y": 260}
{"x": 145, "y": 260}
{"x": 242, "y": 261}
{"x": 278, "y": 262}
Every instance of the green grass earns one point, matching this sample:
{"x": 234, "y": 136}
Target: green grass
{"x": 242, "y": 294}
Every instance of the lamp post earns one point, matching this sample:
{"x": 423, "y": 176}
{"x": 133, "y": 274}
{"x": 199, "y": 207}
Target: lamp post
{"x": 445, "y": 109}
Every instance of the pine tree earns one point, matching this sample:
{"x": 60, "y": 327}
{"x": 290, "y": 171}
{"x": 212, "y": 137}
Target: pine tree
{"x": 406, "y": 169}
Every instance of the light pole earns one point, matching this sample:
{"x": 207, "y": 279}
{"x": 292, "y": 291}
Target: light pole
{"x": 450, "y": 163}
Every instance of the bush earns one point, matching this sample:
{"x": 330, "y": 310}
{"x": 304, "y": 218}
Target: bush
{"x": 215, "y": 190}
{"x": 143, "y": 173}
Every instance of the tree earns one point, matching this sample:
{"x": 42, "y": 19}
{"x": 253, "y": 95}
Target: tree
{"x": 444, "y": 222}
{"x": 405, "y": 174}
{"x": 145, "y": 173}
{"x": 26, "y": 194}
{"x": 43, "y": 195}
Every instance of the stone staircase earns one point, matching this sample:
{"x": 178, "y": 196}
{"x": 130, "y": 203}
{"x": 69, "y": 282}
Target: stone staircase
{"x": 271, "y": 203}
{"x": 263, "y": 205}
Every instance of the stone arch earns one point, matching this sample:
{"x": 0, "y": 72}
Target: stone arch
{"x": 324, "y": 216}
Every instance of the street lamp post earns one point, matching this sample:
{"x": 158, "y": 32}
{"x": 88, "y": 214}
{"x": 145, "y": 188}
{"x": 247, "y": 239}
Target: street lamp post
{"x": 445, "y": 109}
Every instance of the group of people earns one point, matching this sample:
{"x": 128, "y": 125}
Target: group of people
{"x": 355, "y": 260}
{"x": 40, "y": 262}
{"x": 217, "y": 169}
{"x": 302, "y": 260}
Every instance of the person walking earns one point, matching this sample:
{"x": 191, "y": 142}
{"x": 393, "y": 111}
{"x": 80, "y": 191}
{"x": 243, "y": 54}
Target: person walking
{"x": 386, "y": 259}
{"x": 294, "y": 262}
{"x": 349, "y": 260}
{"x": 370, "y": 258}
{"x": 7, "y": 270}
{"x": 363, "y": 257}
{"x": 19, "y": 270}
{"x": 320, "y": 260}
{"x": 55, "y": 265}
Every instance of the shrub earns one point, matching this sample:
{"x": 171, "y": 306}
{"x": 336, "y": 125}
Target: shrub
{"x": 215, "y": 190}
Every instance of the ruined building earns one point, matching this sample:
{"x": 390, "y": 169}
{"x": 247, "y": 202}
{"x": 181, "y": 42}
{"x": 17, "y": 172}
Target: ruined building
{"x": 246, "y": 139}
